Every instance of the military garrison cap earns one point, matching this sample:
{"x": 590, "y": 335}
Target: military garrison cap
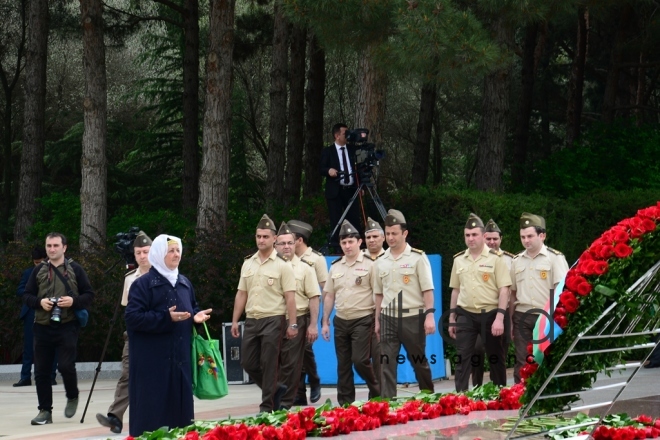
{"x": 474, "y": 221}
{"x": 302, "y": 228}
{"x": 142, "y": 240}
{"x": 266, "y": 223}
{"x": 394, "y": 217}
{"x": 491, "y": 226}
{"x": 372, "y": 225}
{"x": 284, "y": 229}
{"x": 347, "y": 229}
{"x": 531, "y": 220}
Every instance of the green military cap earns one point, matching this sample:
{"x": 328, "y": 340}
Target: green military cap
{"x": 474, "y": 221}
{"x": 347, "y": 229}
{"x": 284, "y": 229}
{"x": 531, "y": 220}
{"x": 394, "y": 217}
{"x": 142, "y": 240}
{"x": 372, "y": 225}
{"x": 266, "y": 223}
{"x": 491, "y": 226}
{"x": 302, "y": 228}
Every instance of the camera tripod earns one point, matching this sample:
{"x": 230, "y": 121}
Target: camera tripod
{"x": 371, "y": 189}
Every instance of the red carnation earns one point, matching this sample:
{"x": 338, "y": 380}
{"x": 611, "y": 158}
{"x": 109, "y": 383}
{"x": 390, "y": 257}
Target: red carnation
{"x": 584, "y": 288}
{"x": 620, "y": 235}
{"x": 569, "y": 301}
{"x": 561, "y": 321}
{"x": 572, "y": 282}
{"x": 622, "y": 250}
{"x": 560, "y": 311}
{"x": 600, "y": 267}
{"x": 648, "y": 225}
{"x": 652, "y": 212}
{"x": 606, "y": 251}
{"x": 642, "y": 418}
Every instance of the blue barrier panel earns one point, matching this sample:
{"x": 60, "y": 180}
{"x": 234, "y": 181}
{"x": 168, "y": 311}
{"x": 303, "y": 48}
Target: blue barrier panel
{"x": 326, "y": 358}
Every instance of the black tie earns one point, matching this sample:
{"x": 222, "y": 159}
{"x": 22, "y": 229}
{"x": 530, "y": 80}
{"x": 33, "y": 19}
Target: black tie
{"x": 344, "y": 159}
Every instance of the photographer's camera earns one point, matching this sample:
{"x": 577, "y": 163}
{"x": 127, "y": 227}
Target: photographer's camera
{"x": 56, "y": 311}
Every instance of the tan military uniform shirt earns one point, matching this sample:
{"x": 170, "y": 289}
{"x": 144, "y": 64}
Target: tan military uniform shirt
{"x": 479, "y": 280}
{"x": 532, "y": 278}
{"x": 367, "y": 253}
{"x": 265, "y": 284}
{"x": 128, "y": 280}
{"x": 353, "y": 286}
{"x": 507, "y": 257}
{"x": 409, "y": 273}
{"x": 320, "y": 266}
{"x": 307, "y": 286}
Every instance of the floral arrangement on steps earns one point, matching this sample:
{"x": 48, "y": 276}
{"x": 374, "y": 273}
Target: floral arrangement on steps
{"x": 613, "y": 427}
{"x": 328, "y": 421}
{"x": 602, "y": 275}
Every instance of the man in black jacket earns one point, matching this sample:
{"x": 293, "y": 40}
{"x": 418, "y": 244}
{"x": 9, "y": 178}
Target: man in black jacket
{"x": 337, "y": 165}
{"x": 56, "y": 326}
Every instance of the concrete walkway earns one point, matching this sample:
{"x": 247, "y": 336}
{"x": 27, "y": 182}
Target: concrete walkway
{"x": 19, "y": 405}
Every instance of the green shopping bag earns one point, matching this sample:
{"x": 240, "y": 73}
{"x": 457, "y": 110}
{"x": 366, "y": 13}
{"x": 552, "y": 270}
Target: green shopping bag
{"x": 208, "y": 371}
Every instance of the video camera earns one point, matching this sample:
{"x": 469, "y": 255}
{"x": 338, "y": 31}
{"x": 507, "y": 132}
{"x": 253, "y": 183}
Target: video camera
{"x": 124, "y": 245}
{"x": 366, "y": 155}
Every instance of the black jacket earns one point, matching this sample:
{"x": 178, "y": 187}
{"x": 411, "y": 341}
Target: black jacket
{"x": 330, "y": 159}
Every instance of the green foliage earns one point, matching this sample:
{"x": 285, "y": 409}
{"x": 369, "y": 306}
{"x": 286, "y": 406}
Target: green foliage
{"x": 609, "y": 157}
{"x": 153, "y": 222}
{"x": 59, "y": 212}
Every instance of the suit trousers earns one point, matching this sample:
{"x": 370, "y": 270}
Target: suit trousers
{"x": 48, "y": 339}
{"x": 523, "y": 333}
{"x": 408, "y": 331}
{"x": 291, "y": 361}
{"x": 353, "y": 347}
{"x": 468, "y": 327}
{"x": 262, "y": 341}
{"x": 119, "y": 405}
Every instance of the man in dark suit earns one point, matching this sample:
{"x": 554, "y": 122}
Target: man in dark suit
{"x": 337, "y": 165}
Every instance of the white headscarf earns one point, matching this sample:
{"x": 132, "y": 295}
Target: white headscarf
{"x": 157, "y": 257}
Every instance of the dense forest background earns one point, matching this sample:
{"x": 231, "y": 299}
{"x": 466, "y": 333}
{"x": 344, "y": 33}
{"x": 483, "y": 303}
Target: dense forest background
{"x": 195, "y": 117}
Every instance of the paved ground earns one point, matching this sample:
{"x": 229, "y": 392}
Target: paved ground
{"x": 19, "y": 405}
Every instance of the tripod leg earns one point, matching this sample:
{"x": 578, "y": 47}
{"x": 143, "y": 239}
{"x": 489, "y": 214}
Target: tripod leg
{"x": 343, "y": 216}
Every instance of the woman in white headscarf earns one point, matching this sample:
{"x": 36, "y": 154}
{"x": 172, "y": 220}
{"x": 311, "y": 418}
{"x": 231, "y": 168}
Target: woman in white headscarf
{"x": 159, "y": 320}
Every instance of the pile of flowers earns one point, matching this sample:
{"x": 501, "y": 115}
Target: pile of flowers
{"x": 603, "y": 273}
{"x": 328, "y": 421}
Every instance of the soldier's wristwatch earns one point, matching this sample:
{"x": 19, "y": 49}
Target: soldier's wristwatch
{"x": 294, "y": 326}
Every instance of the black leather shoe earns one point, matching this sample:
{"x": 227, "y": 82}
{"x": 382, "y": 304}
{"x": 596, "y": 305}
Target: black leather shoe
{"x": 300, "y": 401}
{"x": 111, "y": 422}
{"x": 23, "y": 383}
{"x": 315, "y": 393}
{"x": 277, "y": 398}
{"x": 53, "y": 382}
{"x": 649, "y": 365}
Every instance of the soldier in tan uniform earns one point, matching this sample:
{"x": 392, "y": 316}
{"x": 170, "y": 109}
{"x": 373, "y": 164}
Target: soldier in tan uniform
{"x": 266, "y": 292}
{"x": 404, "y": 292}
{"x": 493, "y": 237}
{"x": 307, "y": 306}
{"x": 115, "y": 417}
{"x": 535, "y": 273}
{"x": 302, "y": 232}
{"x": 374, "y": 237}
{"x": 480, "y": 294}
{"x": 350, "y": 290}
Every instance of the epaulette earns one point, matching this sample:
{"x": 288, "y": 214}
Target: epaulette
{"x": 378, "y": 256}
{"x": 314, "y": 251}
{"x": 131, "y": 272}
{"x": 554, "y": 251}
{"x": 519, "y": 254}
{"x": 507, "y": 253}
{"x": 417, "y": 251}
{"x": 308, "y": 262}
{"x": 282, "y": 257}
{"x": 459, "y": 254}
{"x": 337, "y": 260}
{"x": 498, "y": 253}
{"x": 248, "y": 257}
{"x": 370, "y": 257}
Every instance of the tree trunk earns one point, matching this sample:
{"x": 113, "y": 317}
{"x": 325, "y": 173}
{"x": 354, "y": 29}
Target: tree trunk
{"x": 528, "y": 72}
{"x": 616, "y": 56}
{"x": 640, "y": 90}
{"x": 437, "y": 150}
{"x": 422, "y": 151}
{"x": 315, "y": 98}
{"x": 295, "y": 141}
{"x": 93, "y": 203}
{"x": 190, "y": 105}
{"x": 371, "y": 96}
{"x": 32, "y": 156}
{"x": 576, "y": 80}
{"x": 216, "y": 140}
{"x": 277, "y": 126}
{"x": 495, "y": 111}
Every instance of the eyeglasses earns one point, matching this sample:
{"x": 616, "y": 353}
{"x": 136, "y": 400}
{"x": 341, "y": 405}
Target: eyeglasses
{"x": 286, "y": 243}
